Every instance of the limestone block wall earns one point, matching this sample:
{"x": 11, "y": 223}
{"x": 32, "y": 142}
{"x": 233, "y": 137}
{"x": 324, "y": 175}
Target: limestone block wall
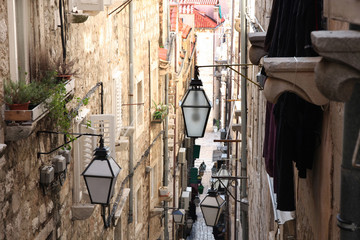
{"x": 317, "y": 196}
{"x": 101, "y": 47}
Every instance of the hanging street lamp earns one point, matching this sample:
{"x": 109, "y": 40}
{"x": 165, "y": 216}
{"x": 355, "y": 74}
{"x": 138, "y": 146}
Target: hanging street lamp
{"x": 222, "y": 183}
{"x": 195, "y": 108}
{"x": 178, "y": 216}
{"x": 100, "y": 178}
{"x": 211, "y": 207}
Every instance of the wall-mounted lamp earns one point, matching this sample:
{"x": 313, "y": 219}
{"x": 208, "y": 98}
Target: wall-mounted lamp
{"x": 195, "y": 108}
{"x": 211, "y": 207}
{"x": 179, "y": 216}
{"x": 100, "y": 175}
{"x": 100, "y": 178}
{"x": 223, "y": 172}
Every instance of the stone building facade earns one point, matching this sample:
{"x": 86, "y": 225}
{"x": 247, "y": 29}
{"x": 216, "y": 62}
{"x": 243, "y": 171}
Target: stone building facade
{"x": 317, "y": 197}
{"x": 116, "y": 43}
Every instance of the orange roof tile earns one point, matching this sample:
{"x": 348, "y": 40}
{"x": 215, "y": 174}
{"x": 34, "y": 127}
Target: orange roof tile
{"x": 162, "y": 53}
{"x": 185, "y": 31}
{"x": 204, "y": 21}
{"x": 173, "y": 17}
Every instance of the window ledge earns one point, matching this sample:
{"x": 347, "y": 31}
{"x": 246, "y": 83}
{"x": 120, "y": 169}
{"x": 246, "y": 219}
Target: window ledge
{"x": 23, "y": 122}
{"x": 292, "y": 75}
{"x": 339, "y": 68}
{"x": 82, "y": 211}
{"x": 256, "y": 51}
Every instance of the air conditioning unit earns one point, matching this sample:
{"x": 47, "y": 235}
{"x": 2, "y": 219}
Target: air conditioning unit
{"x": 182, "y": 155}
{"x": 185, "y": 199}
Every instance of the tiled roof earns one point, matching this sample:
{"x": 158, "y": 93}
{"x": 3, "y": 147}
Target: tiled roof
{"x": 173, "y": 17}
{"x": 185, "y": 31}
{"x": 186, "y": 9}
{"x": 204, "y": 21}
{"x": 162, "y": 53}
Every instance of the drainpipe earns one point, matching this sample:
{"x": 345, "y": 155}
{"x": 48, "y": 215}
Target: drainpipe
{"x": 131, "y": 114}
{"x": 349, "y": 218}
{"x": 166, "y": 128}
{"x": 166, "y": 158}
{"x": 243, "y": 190}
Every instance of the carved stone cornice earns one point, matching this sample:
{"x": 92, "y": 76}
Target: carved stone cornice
{"x": 256, "y": 51}
{"x": 339, "y": 70}
{"x": 292, "y": 75}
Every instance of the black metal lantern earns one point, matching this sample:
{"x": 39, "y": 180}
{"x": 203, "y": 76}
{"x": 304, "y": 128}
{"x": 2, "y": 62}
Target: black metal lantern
{"x": 100, "y": 176}
{"x": 195, "y": 108}
{"x": 222, "y": 183}
{"x": 179, "y": 216}
{"x": 211, "y": 207}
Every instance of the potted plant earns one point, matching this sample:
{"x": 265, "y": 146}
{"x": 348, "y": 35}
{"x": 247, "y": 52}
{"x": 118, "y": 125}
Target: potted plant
{"x": 65, "y": 68}
{"x": 17, "y": 95}
{"x": 161, "y": 111}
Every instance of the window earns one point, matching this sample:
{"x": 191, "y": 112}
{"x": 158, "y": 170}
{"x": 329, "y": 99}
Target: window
{"x": 138, "y": 206}
{"x": 105, "y": 125}
{"x": 139, "y": 103}
{"x": 154, "y": 185}
{"x": 85, "y": 145}
{"x": 83, "y": 149}
{"x": 19, "y": 25}
{"x": 117, "y": 101}
{"x": 154, "y": 82}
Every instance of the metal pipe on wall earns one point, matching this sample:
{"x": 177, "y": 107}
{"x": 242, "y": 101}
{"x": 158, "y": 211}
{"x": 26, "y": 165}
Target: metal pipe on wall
{"x": 243, "y": 190}
{"x": 131, "y": 113}
{"x": 166, "y": 134}
{"x": 349, "y": 218}
{"x": 166, "y": 157}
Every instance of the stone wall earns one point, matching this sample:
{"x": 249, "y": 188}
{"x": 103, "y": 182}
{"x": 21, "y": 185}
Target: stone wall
{"x": 101, "y": 45}
{"x": 317, "y": 196}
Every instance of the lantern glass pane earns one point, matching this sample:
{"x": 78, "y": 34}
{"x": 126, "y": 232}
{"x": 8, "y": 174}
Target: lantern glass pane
{"x": 223, "y": 172}
{"x": 98, "y": 189}
{"x": 210, "y": 214}
{"x": 98, "y": 168}
{"x": 210, "y": 201}
{"x": 178, "y": 218}
{"x": 196, "y": 98}
{"x": 195, "y": 120}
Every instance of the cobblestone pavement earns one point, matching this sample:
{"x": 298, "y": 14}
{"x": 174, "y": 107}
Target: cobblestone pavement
{"x": 199, "y": 230}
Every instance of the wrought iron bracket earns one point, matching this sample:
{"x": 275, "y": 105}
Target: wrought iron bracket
{"x": 66, "y": 142}
{"x": 347, "y": 225}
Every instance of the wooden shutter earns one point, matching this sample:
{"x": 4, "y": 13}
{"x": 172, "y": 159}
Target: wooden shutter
{"x": 105, "y": 125}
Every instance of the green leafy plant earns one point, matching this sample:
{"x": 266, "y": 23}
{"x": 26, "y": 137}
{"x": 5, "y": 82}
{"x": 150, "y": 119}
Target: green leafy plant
{"x": 161, "y": 111}
{"x": 60, "y": 114}
{"x": 16, "y": 92}
{"x": 66, "y": 67}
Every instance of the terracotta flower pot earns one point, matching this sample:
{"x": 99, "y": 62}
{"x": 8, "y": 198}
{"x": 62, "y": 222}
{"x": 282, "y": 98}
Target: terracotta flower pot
{"x": 19, "y": 106}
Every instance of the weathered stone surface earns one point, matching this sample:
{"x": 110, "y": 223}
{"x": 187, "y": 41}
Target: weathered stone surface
{"x": 294, "y": 75}
{"x": 15, "y": 133}
{"x": 15, "y": 202}
{"x": 343, "y": 46}
{"x": 342, "y": 10}
{"x": 35, "y": 224}
{"x": 3, "y": 31}
{"x": 257, "y": 39}
{"x": 255, "y": 54}
{"x": 9, "y": 181}
{"x": 336, "y": 81}
{"x": 82, "y": 211}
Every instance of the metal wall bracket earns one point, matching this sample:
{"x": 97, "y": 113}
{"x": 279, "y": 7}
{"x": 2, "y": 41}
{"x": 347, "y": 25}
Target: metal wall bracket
{"x": 346, "y": 225}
